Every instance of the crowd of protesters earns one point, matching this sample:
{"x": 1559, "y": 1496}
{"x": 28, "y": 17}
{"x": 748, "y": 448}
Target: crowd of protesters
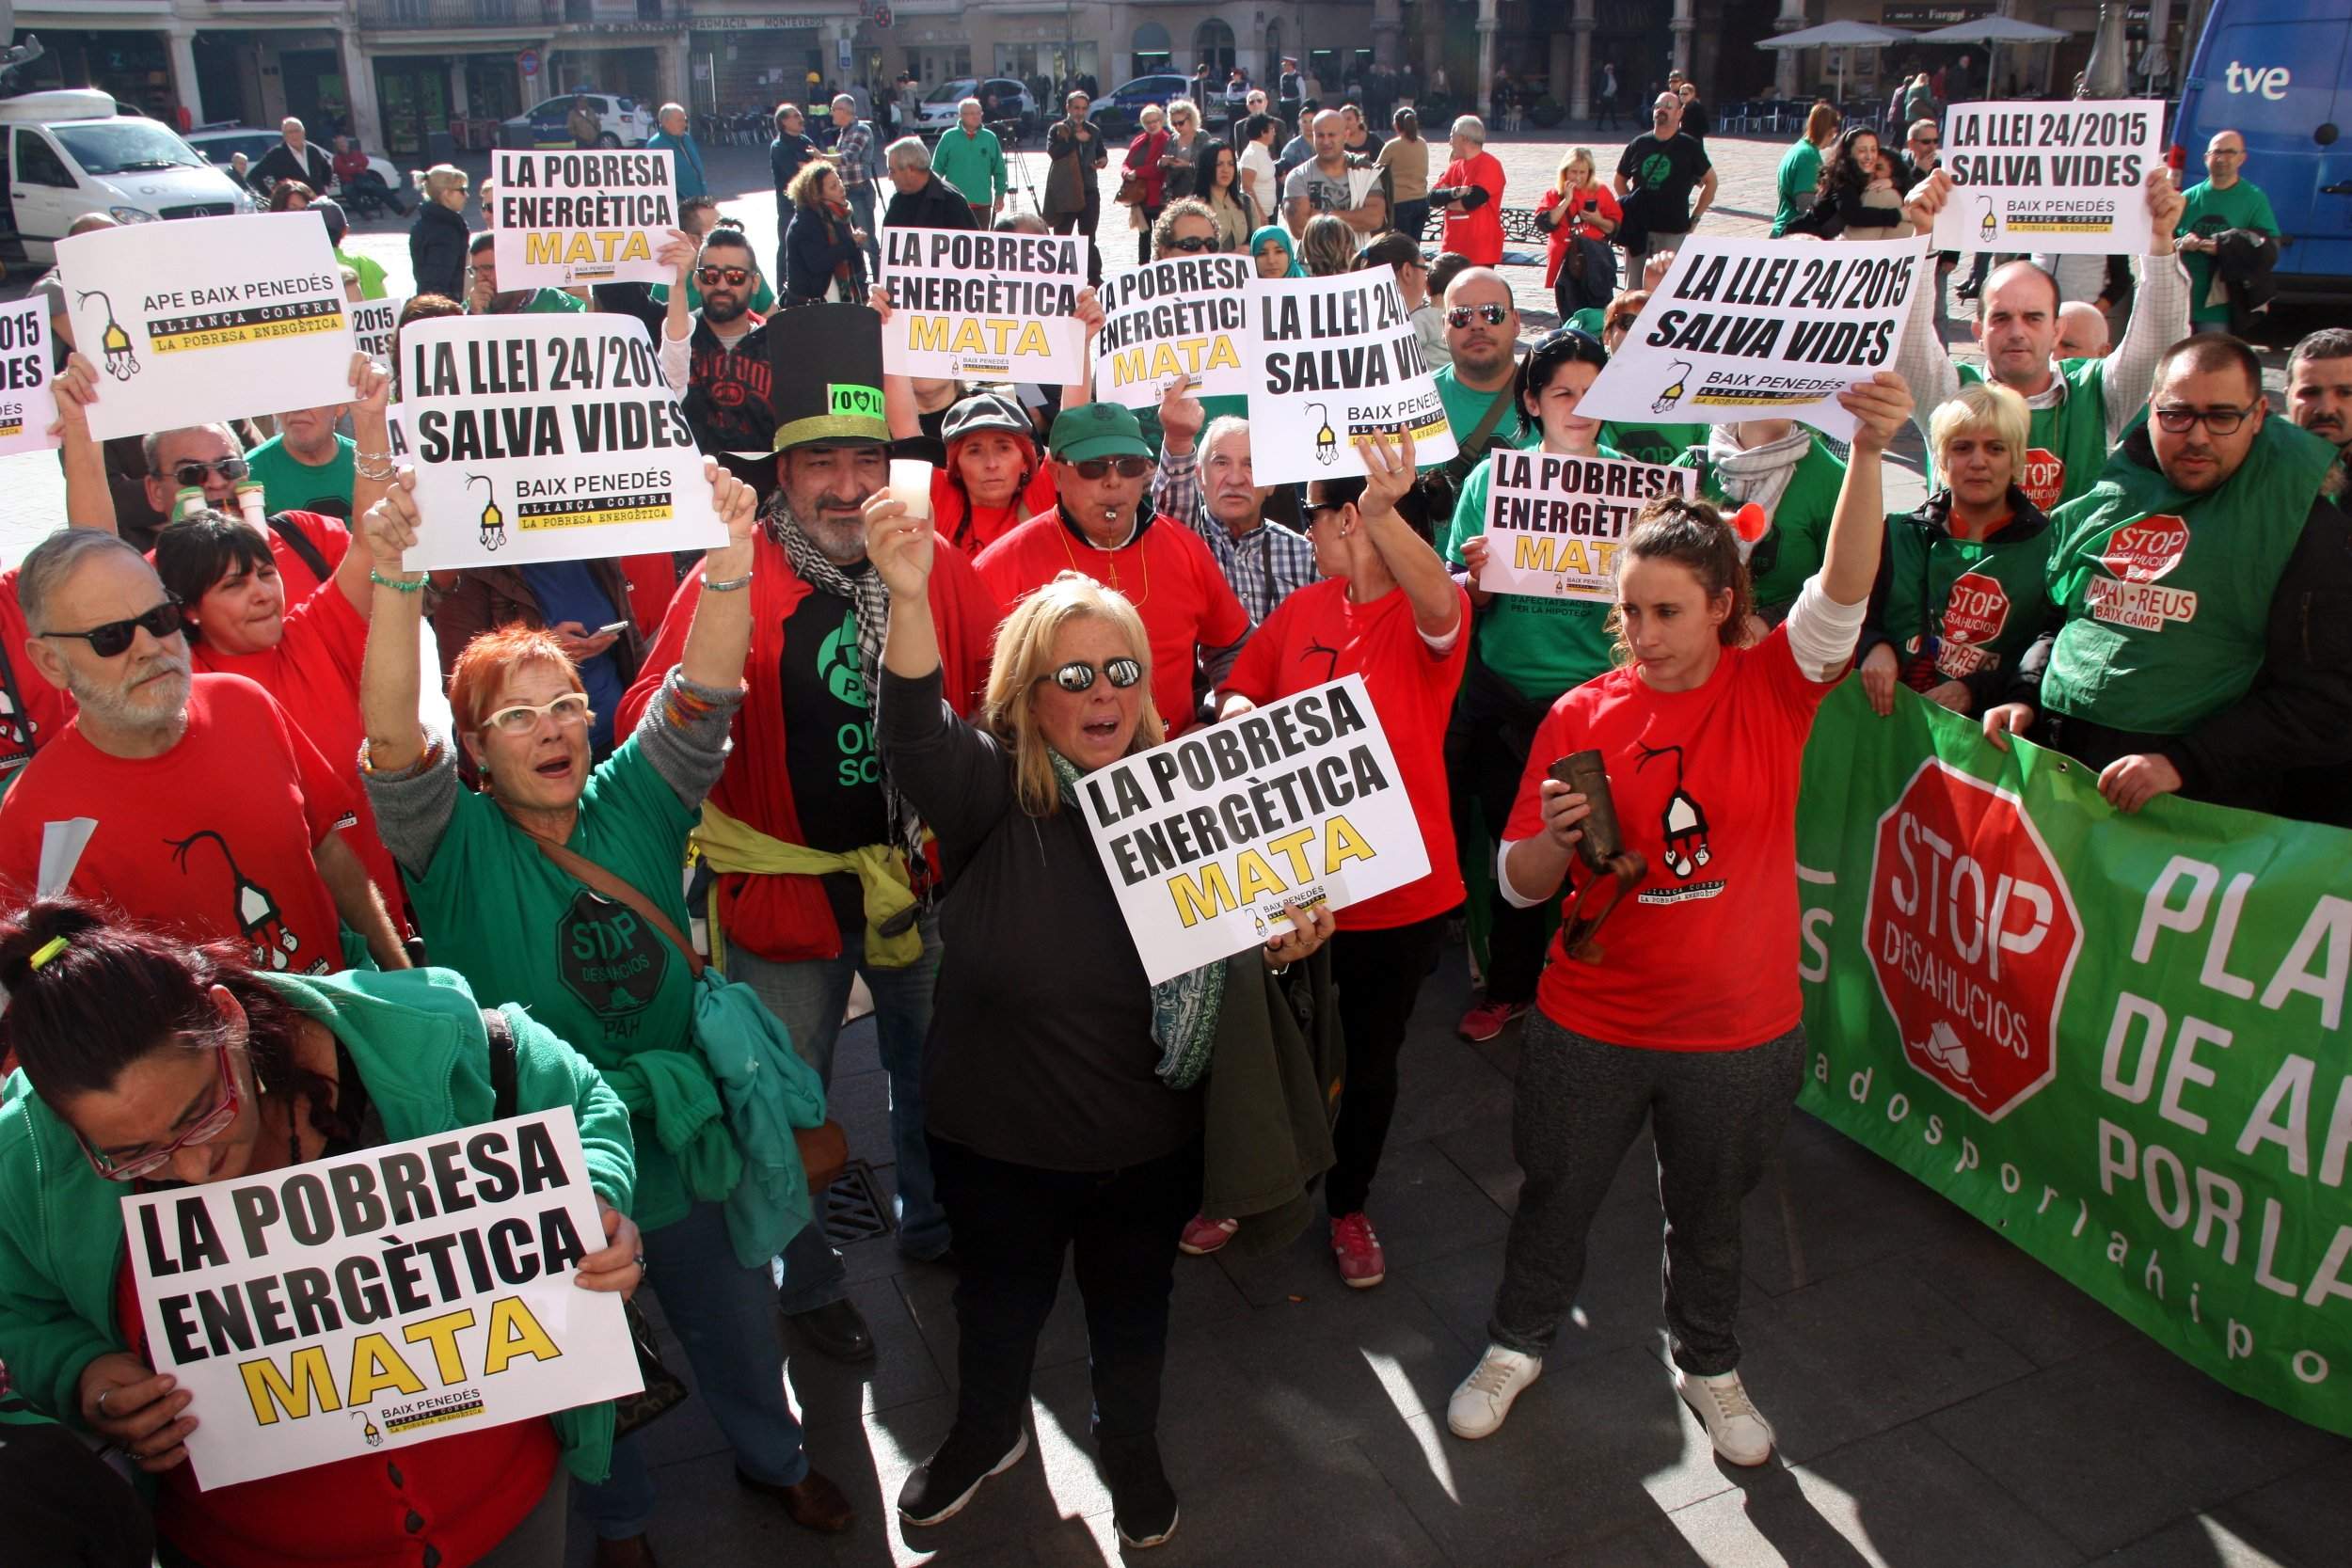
{"x": 867, "y": 720}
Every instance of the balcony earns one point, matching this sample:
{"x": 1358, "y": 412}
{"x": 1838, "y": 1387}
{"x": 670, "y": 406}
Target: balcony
{"x": 395, "y": 15}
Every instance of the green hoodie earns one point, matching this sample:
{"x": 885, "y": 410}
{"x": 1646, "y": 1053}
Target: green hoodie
{"x": 417, "y": 1038}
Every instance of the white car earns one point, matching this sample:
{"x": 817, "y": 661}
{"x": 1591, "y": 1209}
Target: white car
{"x": 68, "y": 153}
{"x": 219, "y": 143}
{"x": 622, "y": 123}
{"x": 1013, "y": 102}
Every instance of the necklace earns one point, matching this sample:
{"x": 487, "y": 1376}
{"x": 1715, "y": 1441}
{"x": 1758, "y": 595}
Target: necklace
{"x": 1112, "y": 557}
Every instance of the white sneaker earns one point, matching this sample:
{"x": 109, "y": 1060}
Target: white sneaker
{"x": 1479, "y": 1405}
{"x": 1739, "y": 1432}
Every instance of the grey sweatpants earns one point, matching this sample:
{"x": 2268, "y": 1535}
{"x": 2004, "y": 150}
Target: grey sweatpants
{"x": 1718, "y": 1116}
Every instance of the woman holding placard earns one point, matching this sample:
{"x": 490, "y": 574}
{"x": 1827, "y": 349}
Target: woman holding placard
{"x": 144, "y": 1059}
{"x": 1678, "y": 1007}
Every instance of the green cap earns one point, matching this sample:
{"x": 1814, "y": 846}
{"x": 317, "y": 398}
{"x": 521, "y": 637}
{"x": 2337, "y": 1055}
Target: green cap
{"x": 1097, "y": 430}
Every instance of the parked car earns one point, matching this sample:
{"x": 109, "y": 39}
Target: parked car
{"x": 624, "y": 121}
{"x": 1014, "y": 102}
{"x": 68, "y": 152}
{"x": 220, "y": 142}
{"x": 1116, "y": 110}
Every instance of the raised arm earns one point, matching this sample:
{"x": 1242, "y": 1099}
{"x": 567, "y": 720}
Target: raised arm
{"x": 2159, "y": 315}
{"x": 389, "y": 680}
{"x": 721, "y": 637}
{"x": 677, "y": 327}
{"x": 371, "y": 439}
{"x": 1388, "y": 474}
{"x": 88, "y": 502}
{"x": 1857, "y": 529}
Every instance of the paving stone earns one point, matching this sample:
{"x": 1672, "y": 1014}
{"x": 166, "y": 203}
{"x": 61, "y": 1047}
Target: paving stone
{"x": 2040, "y": 1314}
{"x": 1335, "y": 1511}
{"x": 2202, "y": 1541}
{"x": 1827, "y": 1205}
{"x": 2304, "y": 1518}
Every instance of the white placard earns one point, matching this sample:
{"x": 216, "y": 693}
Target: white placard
{"x": 373, "y": 322}
{"x": 547, "y": 437}
{"x": 966, "y": 303}
{"x": 27, "y": 407}
{"x": 1337, "y": 361}
{"x": 1207, "y": 837}
{"x": 379, "y": 1299}
{"x": 206, "y": 319}
{"x": 591, "y": 216}
{"x": 2067, "y": 178}
{"x": 1187, "y": 317}
{"x": 1554, "y": 523}
{"x": 1762, "y": 329}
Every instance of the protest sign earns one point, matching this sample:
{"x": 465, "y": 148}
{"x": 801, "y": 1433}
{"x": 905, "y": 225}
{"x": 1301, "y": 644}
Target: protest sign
{"x": 1208, "y": 837}
{"x": 372, "y": 322}
{"x": 965, "y": 303}
{"x": 1188, "y": 317}
{"x": 251, "y": 320}
{"x": 598, "y": 216}
{"x": 27, "y": 407}
{"x": 1554, "y": 522}
{"x": 1337, "y": 361}
{"x": 2050, "y": 177}
{"x": 1762, "y": 329}
{"x": 2116, "y": 1040}
{"x": 379, "y": 1299}
{"x": 548, "y": 437}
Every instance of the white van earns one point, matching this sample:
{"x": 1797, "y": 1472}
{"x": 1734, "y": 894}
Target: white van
{"x": 68, "y": 152}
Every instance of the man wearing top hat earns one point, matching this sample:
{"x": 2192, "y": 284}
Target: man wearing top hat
{"x": 821, "y": 876}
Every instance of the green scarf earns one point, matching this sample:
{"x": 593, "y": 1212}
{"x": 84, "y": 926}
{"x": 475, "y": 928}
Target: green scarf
{"x": 1183, "y": 1009}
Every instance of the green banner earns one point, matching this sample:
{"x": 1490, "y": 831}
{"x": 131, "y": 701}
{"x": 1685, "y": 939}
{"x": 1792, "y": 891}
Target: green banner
{"x": 2118, "y": 1041}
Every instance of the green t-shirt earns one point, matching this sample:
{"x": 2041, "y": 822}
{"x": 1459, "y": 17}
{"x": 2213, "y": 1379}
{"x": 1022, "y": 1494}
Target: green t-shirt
{"x": 2207, "y": 212}
{"x": 1653, "y": 443}
{"x": 371, "y": 274}
{"x": 497, "y": 911}
{"x": 1799, "y": 180}
{"x": 290, "y": 485}
{"x": 551, "y": 302}
{"x": 1465, "y": 406}
{"x": 1541, "y": 646}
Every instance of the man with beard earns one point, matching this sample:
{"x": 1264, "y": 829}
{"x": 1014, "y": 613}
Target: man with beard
{"x": 821, "y": 876}
{"x": 207, "y": 812}
{"x": 717, "y": 361}
{"x": 1481, "y": 332}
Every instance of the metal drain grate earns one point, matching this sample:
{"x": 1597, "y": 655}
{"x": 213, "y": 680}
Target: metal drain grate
{"x": 854, "y": 1210}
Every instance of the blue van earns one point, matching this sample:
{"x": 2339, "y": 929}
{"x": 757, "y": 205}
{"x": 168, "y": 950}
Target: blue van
{"x": 2279, "y": 73}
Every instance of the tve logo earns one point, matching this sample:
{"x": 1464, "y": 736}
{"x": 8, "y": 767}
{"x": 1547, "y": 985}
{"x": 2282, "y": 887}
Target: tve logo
{"x": 2270, "y": 81}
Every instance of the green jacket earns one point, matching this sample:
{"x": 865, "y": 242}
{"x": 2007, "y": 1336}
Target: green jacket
{"x": 1272, "y": 1089}
{"x": 973, "y": 165}
{"x": 416, "y": 1036}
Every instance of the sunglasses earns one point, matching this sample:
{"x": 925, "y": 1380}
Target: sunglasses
{"x": 192, "y": 473}
{"x": 210, "y": 1125}
{"x": 1095, "y": 468}
{"x": 1492, "y": 314}
{"x": 108, "y": 641}
{"x": 1191, "y": 244}
{"x": 734, "y": 277}
{"x": 569, "y": 711}
{"x": 1078, "y": 675}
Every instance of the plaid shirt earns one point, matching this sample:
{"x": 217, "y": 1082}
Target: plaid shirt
{"x": 1264, "y": 566}
{"x": 855, "y": 146}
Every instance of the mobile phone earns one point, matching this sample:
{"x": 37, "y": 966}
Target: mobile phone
{"x": 611, "y": 628}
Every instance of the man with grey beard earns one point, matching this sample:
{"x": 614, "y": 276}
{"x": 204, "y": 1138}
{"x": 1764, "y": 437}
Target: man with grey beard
{"x": 188, "y": 801}
{"x": 821, "y": 878}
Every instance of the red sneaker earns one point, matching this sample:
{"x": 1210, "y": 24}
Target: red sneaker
{"x": 1488, "y": 1019}
{"x": 1203, "y": 1235}
{"x": 1356, "y": 1251}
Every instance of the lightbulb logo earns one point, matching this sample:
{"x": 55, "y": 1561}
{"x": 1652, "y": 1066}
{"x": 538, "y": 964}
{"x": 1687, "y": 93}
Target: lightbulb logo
{"x": 493, "y": 520}
{"x": 368, "y": 1431}
{"x": 122, "y": 359}
{"x": 1683, "y": 821}
{"x": 1673, "y": 394}
{"x": 1326, "y": 439}
{"x": 259, "y": 919}
{"x": 1987, "y": 224}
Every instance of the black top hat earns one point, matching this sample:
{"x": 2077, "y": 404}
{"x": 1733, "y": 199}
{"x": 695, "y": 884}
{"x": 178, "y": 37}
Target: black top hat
{"x": 826, "y": 380}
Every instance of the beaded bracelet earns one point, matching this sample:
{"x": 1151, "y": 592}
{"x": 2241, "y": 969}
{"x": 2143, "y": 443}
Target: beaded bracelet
{"x": 398, "y": 585}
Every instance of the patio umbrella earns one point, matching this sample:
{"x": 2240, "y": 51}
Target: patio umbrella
{"x": 1840, "y": 35}
{"x": 1994, "y": 31}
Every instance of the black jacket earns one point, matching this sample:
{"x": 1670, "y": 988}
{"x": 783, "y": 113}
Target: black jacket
{"x": 436, "y": 251}
{"x": 314, "y": 168}
{"x": 937, "y": 205}
{"x": 729, "y": 401}
{"x": 814, "y": 245}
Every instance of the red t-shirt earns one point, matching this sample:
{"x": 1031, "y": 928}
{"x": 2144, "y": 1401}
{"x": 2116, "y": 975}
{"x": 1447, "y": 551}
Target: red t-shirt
{"x": 1318, "y": 633}
{"x": 1703, "y": 955}
{"x": 46, "y": 710}
{"x": 314, "y": 675}
{"x": 213, "y": 838}
{"x": 1166, "y": 571}
{"x": 973, "y": 529}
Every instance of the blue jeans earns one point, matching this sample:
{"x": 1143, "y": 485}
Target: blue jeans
{"x": 810, "y": 997}
{"x": 725, "y": 1315}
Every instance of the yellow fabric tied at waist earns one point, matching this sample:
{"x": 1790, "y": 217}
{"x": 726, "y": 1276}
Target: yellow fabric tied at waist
{"x": 893, "y": 940}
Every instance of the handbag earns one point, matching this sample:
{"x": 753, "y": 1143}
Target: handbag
{"x": 664, "y": 1392}
{"x": 1129, "y": 190}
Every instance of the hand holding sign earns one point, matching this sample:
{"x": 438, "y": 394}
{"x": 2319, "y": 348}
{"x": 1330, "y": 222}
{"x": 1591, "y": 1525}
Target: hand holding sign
{"x": 1880, "y": 407}
{"x": 1388, "y": 472}
{"x": 1310, "y": 927}
{"x": 619, "y": 1265}
{"x": 75, "y": 389}
{"x": 2165, "y": 206}
{"x": 1181, "y": 415}
{"x": 371, "y": 388}
{"x": 139, "y": 1411}
{"x": 389, "y": 528}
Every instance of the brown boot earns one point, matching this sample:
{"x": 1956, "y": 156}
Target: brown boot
{"x": 632, "y": 1551}
{"x": 813, "y": 1502}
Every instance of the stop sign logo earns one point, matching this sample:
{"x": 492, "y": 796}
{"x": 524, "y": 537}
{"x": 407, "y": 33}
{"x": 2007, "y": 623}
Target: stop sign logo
{"x": 2044, "y": 480}
{"x": 1976, "y": 610}
{"x": 1973, "y": 936}
{"x": 2145, "y": 550}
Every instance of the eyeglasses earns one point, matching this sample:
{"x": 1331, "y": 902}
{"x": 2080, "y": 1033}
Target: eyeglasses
{"x": 192, "y": 473}
{"x": 569, "y": 711}
{"x": 1191, "y": 244}
{"x": 1492, "y": 314}
{"x": 1078, "y": 675}
{"x": 2221, "y": 421}
{"x": 1927, "y": 141}
{"x": 210, "y": 1125}
{"x": 734, "y": 277}
{"x": 108, "y": 641}
{"x": 1095, "y": 468}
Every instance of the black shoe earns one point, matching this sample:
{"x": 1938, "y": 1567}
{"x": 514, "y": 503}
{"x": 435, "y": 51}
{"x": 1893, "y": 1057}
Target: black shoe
{"x": 1965, "y": 294}
{"x": 1143, "y": 1505}
{"x": 812, "y": 1502}
{"x": 838, "y": 1328}
{"x": 941, "y": 1484}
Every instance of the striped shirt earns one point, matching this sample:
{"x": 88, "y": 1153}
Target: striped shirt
{"x": 1264, "y": 566}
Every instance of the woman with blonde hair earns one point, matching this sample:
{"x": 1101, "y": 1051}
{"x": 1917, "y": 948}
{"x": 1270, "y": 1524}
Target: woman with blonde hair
{"x": 1064, "y": 1108}
{"x": 1579, "y": 214}
{"x": 436, "y": 242}
{"x": 1329, "y": 246}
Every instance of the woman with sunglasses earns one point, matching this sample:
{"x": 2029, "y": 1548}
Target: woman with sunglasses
{"x": 1218, "y": 186}
{"x": 1057, "y": 1125}
{"x": 493, "y": 901}
{"x": 1529, "y": 651}
{"x": 1688, "y": 1016}
{"x": 825, "y": 252}
{"x": 1178, "y": 159}
{"x": 146, "y": 1060}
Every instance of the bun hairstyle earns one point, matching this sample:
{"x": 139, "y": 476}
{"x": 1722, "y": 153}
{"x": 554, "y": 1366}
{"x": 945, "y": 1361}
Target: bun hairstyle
{"x": 105, "y": 994}
{"x": 1697, "y": 537}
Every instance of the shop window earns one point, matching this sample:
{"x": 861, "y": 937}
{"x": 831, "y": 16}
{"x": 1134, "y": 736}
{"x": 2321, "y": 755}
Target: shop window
{"x": 1213, "y": 42}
